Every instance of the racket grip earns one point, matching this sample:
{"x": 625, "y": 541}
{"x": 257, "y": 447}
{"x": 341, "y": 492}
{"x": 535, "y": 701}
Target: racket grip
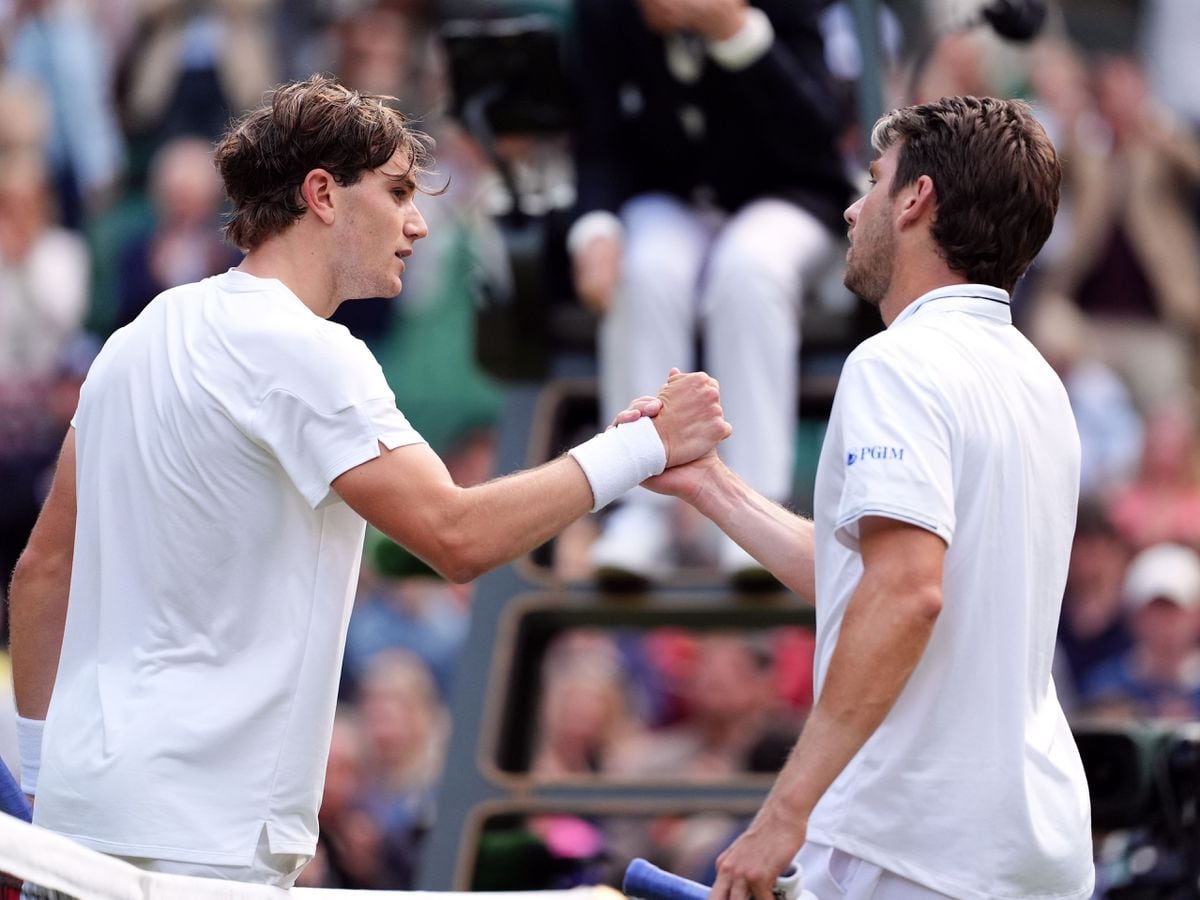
{"x": 646, "y": 881}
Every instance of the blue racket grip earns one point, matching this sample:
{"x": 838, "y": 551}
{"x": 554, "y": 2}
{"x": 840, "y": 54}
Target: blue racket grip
{"x": 12, "y": 798}
{"x": 646, "y": 881}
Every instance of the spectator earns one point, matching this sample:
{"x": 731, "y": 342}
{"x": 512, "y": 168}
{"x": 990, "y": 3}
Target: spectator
{"x": 43, "y": 268}
{"x": 728, "y": 695}
{"x": 350, "y": 849}
{"x": 192, "y": 65}
{"x": 709, "y": 182}
{"x": 583, "y": 714}
{"x": 184, "y": 243}
{"x": 43, "y": 298}
{"x": 406, "y": 727}
{"x": 1111, "y": 433}
{"x": 384, "y": 46}
{"x": 423, "y": 614}
{"x": 1170, "y": 36}
{"x": 1134, "y": 264}
{"x": 1162, "y": 504}
{"x": 1092, "y": 630}
{"x": 56, "y": 44}
{"x": 1160, "y": 675}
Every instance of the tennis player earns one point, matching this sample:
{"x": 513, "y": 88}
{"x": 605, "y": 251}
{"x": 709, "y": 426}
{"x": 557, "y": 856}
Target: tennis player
{"x": 208, "y": 512}
{"x": 937, "y": 761}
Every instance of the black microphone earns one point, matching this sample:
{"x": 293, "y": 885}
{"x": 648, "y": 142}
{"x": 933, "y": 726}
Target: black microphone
{"x": 1016, "y": 20}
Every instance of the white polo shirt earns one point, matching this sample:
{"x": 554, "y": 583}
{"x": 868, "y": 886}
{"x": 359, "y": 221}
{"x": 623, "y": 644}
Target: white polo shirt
{"x": 972, "y": 785}
{"x": 213, "y": 576}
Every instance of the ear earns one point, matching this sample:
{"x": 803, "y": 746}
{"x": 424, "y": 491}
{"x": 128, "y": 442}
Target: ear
{"x": 916, "y": 202}
{"x": 318, "y": 189}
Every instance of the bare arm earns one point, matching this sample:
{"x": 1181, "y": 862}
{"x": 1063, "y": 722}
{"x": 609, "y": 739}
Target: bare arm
{"x": 779, "y": 539}
{"x": 40, "y": 588}
{"x": 884, "y": 633}
{"x": 463, "y": 532}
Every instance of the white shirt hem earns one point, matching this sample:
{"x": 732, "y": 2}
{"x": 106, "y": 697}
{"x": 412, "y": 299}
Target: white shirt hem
{"x": 906, "y": 869}
{"x": 173, "y": 854}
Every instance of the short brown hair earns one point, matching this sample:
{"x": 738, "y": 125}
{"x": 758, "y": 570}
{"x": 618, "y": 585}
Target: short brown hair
{"x": 996, "y": 176}
{"x": 301, "y": 126}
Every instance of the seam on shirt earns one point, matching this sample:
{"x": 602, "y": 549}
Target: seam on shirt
{"x": 906, "y": 514}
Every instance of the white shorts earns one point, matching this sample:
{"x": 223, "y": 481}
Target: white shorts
{"x": 833, "y": 875}
{"x": 275, "y": 869}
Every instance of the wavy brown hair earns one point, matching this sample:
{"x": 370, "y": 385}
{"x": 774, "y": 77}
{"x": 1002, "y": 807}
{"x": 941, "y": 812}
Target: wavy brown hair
{"x": 301, "y": 126}
{"x": 996, "y": 176}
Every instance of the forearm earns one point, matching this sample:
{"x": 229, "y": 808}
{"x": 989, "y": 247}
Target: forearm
{"x": 463, "y": 532}
{"x": 780, "y": 540}
{"x": 40, "y": 589}
{"x": 38, "y": 614}
{"x": 494, "y": 523}
{"x": 882, "y": 638}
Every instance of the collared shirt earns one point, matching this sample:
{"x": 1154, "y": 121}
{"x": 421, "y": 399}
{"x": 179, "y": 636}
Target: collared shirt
{"x": 951, "y": 420}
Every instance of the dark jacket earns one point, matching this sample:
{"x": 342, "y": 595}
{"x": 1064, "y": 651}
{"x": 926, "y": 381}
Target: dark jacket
{"x": 769, "y": 130}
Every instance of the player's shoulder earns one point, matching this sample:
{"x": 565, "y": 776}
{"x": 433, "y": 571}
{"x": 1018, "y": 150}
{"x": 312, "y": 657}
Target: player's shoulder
{"x": 277, "y": 343}
{"x": 264, "y": 311}
{"x": 890, "y": 348}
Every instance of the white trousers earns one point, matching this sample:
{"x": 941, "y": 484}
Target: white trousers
{"x": 738, "y": 281}
{"x": 830, "y": 874}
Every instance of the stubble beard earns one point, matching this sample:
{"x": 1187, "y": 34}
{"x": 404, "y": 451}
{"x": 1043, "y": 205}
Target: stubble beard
{"x": 359, "y": 279}
{"x": 869, "y": 272}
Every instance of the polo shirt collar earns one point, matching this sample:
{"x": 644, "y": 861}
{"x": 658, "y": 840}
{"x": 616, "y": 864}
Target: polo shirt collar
{"x": 976, "y": 299}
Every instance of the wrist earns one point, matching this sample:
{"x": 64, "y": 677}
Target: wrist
{"x": 746, "y": 44}
{"x": 725, "y": 26}
{"x": 620, "y": 459}
{"x": 29, "y": 746}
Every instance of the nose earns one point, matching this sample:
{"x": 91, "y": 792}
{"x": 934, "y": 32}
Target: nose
{"x": 851, "y": 213}
{"x": 414, "y": 226}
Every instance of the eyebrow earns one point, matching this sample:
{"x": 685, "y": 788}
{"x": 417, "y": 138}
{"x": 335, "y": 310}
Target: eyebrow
{"x": 405, "y": 179}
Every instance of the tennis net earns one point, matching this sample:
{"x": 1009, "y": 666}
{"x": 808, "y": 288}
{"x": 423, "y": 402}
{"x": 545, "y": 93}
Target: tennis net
{"x": 36, "y": 864}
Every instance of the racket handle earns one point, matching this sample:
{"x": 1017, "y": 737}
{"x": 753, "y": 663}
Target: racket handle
{"x": 645, "y": 881}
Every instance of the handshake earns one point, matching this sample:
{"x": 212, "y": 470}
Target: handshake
{"x": 678, "y": 431}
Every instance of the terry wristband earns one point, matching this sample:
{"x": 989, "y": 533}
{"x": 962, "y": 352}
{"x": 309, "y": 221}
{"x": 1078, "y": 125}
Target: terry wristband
{"x": 620, "y": 459}
{"x": 29, "y": 747}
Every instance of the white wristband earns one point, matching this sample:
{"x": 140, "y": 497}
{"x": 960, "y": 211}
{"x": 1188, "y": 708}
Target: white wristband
{"x": 29, "y": 746}
{"x": 620, "y": 459}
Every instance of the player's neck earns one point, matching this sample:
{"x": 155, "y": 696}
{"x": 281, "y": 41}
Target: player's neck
{"x": 912, "y": 281}
{"x": 304, "y": 272}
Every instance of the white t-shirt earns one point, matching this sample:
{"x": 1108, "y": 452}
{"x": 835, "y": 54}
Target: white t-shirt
{"x": 213, "y": 575}
{"x": 972, "y": 785}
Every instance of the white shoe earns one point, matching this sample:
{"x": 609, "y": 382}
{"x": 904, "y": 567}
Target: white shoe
{"x": 634, "y": 548}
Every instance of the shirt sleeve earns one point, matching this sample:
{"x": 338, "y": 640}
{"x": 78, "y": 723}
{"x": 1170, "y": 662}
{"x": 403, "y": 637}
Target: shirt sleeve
{"x": 898, "y": 460}
{"x": 327, "y": 421}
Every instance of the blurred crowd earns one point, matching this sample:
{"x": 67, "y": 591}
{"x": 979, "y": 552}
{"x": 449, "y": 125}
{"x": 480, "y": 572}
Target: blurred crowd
{"x": 108, "y": 111}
